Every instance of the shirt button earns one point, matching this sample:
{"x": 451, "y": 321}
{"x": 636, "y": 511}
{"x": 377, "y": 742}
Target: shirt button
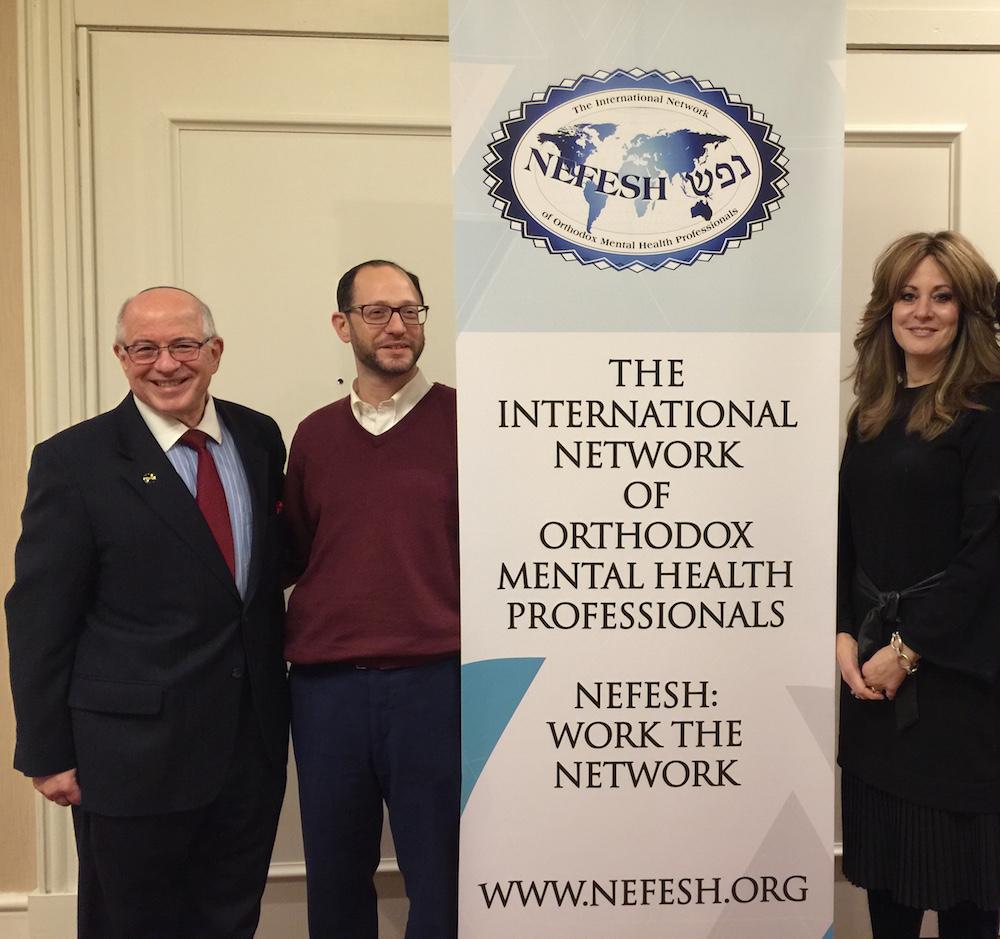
{"x": 237, "y": 672}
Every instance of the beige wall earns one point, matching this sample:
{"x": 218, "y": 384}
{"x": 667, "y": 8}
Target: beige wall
{"x": 17, "y": 817}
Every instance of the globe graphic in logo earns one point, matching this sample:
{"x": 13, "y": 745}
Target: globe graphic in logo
{"x": 636, "y": 170}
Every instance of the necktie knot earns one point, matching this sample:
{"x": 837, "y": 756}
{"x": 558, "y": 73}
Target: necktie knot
{"x": 195, "y": 439}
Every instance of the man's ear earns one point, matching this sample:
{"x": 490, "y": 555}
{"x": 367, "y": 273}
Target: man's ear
{"x": 341, "y": 325}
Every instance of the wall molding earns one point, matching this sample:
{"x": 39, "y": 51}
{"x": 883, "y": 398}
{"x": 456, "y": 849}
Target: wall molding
{"x": 177, "y": 124}
{"x": 279, "y": 872}
{"x": 943, "y": 136}
{"x": 936, "y": 134}
{"x": 391, "y": 19}
{"x": 13, "y": 903}
{"x": 308, "y": 124}
{"x": 868, "y": 27}
{"x": 942, "y": 29}
{"x": 57, "y": 366}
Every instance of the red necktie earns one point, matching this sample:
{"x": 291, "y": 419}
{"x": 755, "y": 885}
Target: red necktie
{"x": 211, "y": 496}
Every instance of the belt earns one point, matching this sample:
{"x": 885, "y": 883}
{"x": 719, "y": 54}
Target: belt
{"x": 874, "y": 632}
{"x": 376, "y": 664}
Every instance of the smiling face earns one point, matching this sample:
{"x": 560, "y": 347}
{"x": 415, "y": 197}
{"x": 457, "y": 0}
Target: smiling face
{"x": 174, "y": 389}
{"x": 925, "y": 319}
{"x": 386, "y": 354}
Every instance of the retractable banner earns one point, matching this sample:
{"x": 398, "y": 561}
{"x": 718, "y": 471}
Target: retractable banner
{"x": 647, "y": 242}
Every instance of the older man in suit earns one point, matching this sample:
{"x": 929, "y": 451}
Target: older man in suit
{"x": 145, "y": 638}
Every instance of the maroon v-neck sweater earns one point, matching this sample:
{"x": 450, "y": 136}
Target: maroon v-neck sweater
{"x": 374, "y": 525}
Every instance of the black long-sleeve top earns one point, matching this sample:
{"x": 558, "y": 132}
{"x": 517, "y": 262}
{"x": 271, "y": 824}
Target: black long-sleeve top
{"x": 910, "y": 508}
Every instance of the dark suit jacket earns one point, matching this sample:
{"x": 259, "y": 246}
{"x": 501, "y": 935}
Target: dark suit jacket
{"x": 129, "y": 644}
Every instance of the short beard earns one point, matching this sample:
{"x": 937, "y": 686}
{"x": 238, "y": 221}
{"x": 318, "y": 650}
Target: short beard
{"x": 371, "y": 360}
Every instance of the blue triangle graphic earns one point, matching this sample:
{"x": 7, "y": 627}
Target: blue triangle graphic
{"x": 829, "y": 933}
{"x": 491, "y": 691}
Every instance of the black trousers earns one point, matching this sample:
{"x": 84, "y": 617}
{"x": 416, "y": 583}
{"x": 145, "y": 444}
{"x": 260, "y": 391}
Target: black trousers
{"x": 198, "y": 874}
{"x": 892, "y": 920}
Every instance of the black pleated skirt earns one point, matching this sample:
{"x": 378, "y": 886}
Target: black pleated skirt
{"x": 927, "y": 858}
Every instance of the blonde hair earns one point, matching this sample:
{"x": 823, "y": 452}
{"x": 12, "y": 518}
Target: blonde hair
{"x": 973, "y": 359}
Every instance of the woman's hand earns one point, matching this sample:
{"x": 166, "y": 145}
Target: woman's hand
{"x": 847, "y": 659}
{"x": 882, "y": 671}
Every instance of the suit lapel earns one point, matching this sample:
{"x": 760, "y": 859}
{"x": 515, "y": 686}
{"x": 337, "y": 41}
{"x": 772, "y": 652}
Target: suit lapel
{"x": 146, "y": 469}
{"x": 255, "y": 464}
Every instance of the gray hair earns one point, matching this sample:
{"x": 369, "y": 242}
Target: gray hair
{"x": 207, "y": 321}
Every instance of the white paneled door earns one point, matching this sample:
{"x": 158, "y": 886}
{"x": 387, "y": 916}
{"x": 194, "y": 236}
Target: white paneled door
{"x": 253, "y": 171}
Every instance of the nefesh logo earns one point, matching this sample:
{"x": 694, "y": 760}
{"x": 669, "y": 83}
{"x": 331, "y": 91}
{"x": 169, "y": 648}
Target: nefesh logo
{"x": 636, "y": 170}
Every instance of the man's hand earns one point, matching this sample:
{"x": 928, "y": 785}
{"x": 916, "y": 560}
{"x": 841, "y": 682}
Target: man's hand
{"x": 61, "y": 788}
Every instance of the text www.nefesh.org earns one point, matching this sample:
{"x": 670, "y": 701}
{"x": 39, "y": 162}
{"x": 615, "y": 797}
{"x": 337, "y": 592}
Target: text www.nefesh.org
{"x": 645, "y": 891}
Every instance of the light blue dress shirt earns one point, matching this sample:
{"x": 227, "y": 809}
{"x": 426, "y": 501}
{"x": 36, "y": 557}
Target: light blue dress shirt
{"x": 221, "y": 445}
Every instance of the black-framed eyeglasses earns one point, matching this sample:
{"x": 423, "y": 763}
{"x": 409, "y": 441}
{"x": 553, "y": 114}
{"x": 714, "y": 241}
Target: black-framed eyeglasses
{"x": 378, "y": 314}
{"x": 181, "y": 350}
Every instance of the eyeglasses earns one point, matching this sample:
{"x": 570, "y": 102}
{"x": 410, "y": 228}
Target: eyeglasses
{"x": 181, "y": 350}
{"x": 378, "y": 314}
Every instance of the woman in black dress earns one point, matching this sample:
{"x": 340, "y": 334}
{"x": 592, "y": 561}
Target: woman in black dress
{"x": 918, "y": 619}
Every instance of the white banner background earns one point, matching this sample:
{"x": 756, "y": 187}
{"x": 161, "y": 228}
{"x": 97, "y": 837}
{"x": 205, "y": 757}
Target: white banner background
{"x": 748, "y": 852}
{"x": 525, "y": 821}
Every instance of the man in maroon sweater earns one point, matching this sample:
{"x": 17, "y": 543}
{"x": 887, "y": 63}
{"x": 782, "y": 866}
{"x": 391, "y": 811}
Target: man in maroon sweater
{"x": 371, "y": 501}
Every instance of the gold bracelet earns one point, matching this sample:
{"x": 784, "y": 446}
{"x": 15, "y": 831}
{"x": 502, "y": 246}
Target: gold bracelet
{"x": 904, "y": 660}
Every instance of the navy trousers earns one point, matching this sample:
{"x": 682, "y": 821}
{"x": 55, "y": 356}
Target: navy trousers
{"x": 362, "y": 736}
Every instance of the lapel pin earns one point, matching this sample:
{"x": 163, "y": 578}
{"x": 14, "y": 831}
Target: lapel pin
{"x": 149, "y": 478}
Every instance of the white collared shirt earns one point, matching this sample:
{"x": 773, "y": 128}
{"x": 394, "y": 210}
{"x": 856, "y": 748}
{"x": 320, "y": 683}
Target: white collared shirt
{"x": 168, "y": 430}
{"x": 377, "y": 419}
